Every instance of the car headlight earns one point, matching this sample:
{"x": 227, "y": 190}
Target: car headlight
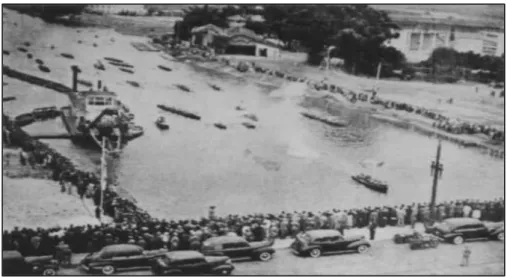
{"x": 53, "y": 261}
{"x": 229, "y": 261}
{"x": 35, "y": 268}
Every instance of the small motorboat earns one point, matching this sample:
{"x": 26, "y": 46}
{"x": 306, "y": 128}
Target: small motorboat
{"x": 248, "y": 125}
{"x": 371, "y": 183}
{"x": 161, "y": 123}
{"x": 220, "y": 126}
{"x": 165, "y": 68}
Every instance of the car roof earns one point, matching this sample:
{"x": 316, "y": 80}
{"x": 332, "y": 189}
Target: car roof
{"x": 183, "y": 255}
{"x": 121, "y": 247}
{"x": 462, "y": 221}
{"x": 323, "y": 233}
{"x": 11, "y": 255}
{"x": 224, "y": 239}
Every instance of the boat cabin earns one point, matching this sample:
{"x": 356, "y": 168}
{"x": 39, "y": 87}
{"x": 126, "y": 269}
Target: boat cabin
{"x": 93, "y": 102}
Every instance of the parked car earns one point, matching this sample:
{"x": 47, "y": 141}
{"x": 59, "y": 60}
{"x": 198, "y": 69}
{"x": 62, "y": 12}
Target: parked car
{"x": 496, "y": 230}
{"x": 13, "y": 263}
{"x": 316, "y": 242}
{"x": 458, "y": 230}
{"x": 191, "y": 262}
{"x": 120, "y": 257}
{"x": 237, "y": 247}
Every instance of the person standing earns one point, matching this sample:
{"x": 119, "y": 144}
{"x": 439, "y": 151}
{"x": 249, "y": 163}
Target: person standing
{"x": 466, "y": 256}
{"x": 373, "y": 229}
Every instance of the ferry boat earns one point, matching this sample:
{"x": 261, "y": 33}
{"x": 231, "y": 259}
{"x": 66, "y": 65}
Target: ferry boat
{"x": 95, "y": 114}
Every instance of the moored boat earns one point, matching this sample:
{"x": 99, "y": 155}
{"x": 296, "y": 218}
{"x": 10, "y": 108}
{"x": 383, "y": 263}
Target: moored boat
{"x": 371, "y": 183}
{"x": 160, "y": 122}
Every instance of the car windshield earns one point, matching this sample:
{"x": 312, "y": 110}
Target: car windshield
{"x": 447, "y": 225}
{"x": 304, "y": 237}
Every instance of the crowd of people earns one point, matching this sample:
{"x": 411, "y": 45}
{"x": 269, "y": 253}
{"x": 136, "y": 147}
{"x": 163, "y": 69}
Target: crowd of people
{"x": 153, "y": 234}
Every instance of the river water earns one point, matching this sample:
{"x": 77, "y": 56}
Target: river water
{"x": 287, "y": 163}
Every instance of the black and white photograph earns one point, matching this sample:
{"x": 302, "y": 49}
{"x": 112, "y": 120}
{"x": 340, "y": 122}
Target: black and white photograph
{"x": 253, "y": 139}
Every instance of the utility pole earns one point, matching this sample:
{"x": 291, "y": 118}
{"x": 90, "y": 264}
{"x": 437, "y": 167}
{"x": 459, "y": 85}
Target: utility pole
{"x": 436, "y": 170}
{"x": 103, "y": 177}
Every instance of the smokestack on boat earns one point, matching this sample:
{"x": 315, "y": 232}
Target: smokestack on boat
{"x": 99, "y": 85}
{"x": 75, "y": 72}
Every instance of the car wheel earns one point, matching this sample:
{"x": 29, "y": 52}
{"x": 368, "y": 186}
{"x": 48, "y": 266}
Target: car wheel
{"x": 457, "y": 240}
{"x": 265, "y": 256}
{"x": 108, "y": 270}
{"x": 225, "y": 272}
{"x": 49, "y": 272}
{"x": 398, "y": 239}
{"x": 361, "y": 249}
{"x": 434, "y": 243}
{"x": 315, "y": 253}
{"x": 500, "y": 236}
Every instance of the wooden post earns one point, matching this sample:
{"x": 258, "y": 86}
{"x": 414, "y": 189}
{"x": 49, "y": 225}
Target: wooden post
{"x": 103, "y": 176}
{"x": 437, "y": 169}
{"x": 379, "y": 68}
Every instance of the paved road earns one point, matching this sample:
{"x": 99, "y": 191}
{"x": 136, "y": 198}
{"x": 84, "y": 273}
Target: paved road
{"x": 384, "y": 258}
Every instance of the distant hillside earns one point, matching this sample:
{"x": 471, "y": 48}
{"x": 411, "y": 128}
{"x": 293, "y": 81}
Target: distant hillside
{"x": 490, "y": 11}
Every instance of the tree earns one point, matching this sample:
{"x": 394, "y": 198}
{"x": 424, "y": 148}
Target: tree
{"x": 198, "y": 16}
{"x": 48, "y": 12}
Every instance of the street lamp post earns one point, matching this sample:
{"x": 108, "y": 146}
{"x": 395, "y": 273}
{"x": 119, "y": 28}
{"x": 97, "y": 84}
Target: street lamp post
{"x": 436, "y": 171}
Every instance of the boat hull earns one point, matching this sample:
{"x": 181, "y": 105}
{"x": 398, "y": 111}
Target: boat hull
{"x": 372, "y": 186}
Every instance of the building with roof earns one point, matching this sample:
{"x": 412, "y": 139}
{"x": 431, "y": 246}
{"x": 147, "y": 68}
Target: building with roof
{"x": 116, "y": 9}
{"x": 237, "y": 41}
{"x": 206, "y": 35}
{"x": 423, "y": 31}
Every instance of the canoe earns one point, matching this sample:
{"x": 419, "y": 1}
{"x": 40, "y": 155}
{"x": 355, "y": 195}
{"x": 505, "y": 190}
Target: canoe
{"x": 44, "y": 68}
{"x": 371, "y": 184}
{"x": 68, "y": 56}
{"x": 162, "y": 125}
{"x": 164, "y": 68}
{"x": 217, "y": 88}
{"x": 113, "y": 59}
{"x": 179, "y": 112}
{"x": 327, "y": 120}
{"x": 127, "y": 70}
{"x": 183, "y": 88}
{"x": 220, "y": 126}
{"x": 248, "y": 125}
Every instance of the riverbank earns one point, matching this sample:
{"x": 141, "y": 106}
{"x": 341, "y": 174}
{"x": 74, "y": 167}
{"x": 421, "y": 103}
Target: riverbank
{"x": 478, "y": 112}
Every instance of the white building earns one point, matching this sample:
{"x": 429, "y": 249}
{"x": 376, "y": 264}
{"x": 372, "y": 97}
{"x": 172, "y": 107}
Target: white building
{"x": 116, "y": 9}
{"x": 422, "y": 32}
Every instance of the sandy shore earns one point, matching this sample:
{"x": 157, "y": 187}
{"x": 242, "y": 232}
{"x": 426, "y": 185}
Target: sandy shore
{"x": 31, "y": 199}
{"x": 31, "y": 202}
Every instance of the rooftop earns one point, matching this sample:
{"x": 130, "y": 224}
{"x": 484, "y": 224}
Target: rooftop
{"x": 183, "y": 255}
{"x": 444, "y": 18}
{"x": 224, "y": 239}
{"x": 322, "y": 233}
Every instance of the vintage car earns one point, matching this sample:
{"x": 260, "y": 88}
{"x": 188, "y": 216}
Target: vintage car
{"x": 458, "y": 230}
{"x": 191, "y": 262}
{"x": 117, "y": 257}
{"x": 237, "y": 247}
{"x": 13, "y": 263}
{"x": 316, "y": 242}
{"x": 496, "y": 230}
